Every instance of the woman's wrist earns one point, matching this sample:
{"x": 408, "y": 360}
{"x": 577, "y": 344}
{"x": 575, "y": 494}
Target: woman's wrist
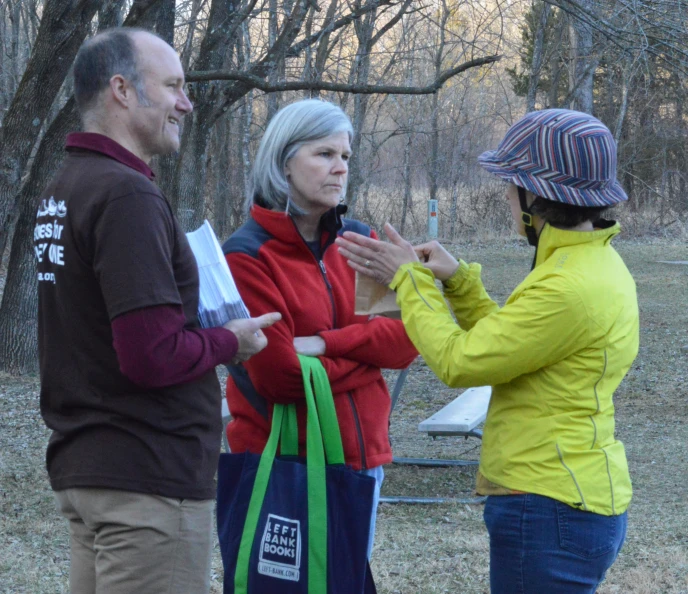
{"x": 456, "y": 278}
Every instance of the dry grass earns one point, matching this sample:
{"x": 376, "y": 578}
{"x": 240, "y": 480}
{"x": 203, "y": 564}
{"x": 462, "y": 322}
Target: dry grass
{"x": 437, "y": 548}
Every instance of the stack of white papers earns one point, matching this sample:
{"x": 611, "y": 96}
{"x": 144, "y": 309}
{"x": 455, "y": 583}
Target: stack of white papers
{"x": 219, "y": 300}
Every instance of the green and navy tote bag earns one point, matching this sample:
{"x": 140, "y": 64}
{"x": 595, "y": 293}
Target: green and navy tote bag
{"x": 291, "y": 525}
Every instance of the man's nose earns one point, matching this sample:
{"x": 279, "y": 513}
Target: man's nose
{"x": 184, "y": 104}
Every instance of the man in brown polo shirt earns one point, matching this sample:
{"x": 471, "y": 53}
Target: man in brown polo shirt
{"x": 128, "y": 382}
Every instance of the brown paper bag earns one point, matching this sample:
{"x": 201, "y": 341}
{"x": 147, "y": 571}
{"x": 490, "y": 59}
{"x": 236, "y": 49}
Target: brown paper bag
{"x": 373, "y": 298}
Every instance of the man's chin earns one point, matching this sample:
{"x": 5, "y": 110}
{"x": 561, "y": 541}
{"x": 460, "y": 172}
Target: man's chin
{"x": 171, "y": 148}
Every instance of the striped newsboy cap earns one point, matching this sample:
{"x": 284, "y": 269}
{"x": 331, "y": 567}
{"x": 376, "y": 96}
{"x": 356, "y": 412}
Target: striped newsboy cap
{"x": 561, "y": 155}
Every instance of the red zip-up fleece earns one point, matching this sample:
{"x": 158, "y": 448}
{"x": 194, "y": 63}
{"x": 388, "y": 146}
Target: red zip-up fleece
{"x": 275, "y": 270}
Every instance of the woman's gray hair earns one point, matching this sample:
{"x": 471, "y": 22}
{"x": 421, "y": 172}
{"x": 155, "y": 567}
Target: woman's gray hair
{"x": 291, "y": 127}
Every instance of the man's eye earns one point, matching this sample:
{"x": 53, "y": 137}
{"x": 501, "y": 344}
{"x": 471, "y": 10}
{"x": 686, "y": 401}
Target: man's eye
{"x": 346, "y": 157}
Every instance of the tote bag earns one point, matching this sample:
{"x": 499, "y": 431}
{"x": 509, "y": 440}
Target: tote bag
{"x": 289, "y": 525}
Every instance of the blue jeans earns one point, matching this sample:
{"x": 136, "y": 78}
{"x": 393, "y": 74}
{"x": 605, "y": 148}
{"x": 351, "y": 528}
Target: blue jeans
{"x": 379, "y": 475}
{"x": 539, "y": 545}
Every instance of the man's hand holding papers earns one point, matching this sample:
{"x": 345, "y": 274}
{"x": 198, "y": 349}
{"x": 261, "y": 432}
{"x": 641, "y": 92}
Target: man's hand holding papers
{"x": 219, "y": 301}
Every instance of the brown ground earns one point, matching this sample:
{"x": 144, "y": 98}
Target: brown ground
{"x": 436, "y": 548}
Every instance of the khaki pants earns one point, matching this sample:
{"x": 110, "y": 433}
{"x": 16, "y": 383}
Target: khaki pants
{"x": 131, "y": 543}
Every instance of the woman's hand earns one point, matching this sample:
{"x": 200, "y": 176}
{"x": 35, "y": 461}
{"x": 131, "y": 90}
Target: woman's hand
{"x": 374, "y": 258}
{"x": 437, "y": 259}
{"x": 312, "y": 346}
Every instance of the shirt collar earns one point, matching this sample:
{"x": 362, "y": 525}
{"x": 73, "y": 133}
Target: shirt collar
{"x": 99, "y": 143}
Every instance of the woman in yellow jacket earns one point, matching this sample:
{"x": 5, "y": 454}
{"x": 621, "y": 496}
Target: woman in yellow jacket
{"x": 556, "y": 478}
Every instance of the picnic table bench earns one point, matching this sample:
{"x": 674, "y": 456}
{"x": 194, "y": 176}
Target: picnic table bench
{"x": 459, "y": 418}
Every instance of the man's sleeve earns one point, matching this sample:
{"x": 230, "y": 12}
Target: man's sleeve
{"x": 133, "y": 243}
{"x": 154, "y": 350}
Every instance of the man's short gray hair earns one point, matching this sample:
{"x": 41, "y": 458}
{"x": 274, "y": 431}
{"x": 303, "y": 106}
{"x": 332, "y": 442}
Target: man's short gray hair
{"x": 290, "y": 128}
{"x": 106, "y": 54}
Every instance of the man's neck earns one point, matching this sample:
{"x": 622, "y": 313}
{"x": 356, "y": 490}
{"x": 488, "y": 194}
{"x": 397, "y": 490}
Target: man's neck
{"x": 119, "y": 136}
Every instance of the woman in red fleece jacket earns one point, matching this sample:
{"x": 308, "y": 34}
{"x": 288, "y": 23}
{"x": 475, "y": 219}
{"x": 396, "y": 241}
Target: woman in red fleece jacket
{"x": 283, "y": 260}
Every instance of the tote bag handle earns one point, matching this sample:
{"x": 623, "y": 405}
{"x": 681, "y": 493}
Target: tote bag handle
{"x": 318, "y": 383}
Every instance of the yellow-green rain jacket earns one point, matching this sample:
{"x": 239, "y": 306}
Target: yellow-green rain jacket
{"x": 554, "y": 355}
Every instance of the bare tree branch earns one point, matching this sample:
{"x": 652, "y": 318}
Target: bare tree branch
{"x": 302, "y": 85}
{"x": 354, "y": 15}
{"x": 660, "y": 34}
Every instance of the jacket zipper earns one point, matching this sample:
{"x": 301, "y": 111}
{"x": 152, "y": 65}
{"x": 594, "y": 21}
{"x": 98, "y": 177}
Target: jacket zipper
{"x": 323, "y": 272}
{"x": 358, "y": 430}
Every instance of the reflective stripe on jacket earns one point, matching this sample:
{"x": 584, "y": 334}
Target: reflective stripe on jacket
{"x": 554, "y": 354}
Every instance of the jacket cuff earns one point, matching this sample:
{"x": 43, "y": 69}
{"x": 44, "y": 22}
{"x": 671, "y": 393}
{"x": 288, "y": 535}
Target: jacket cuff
{"x": 454, "y": 282}
{"x": 334, "y": 346}
{"x": 400, "y": 274}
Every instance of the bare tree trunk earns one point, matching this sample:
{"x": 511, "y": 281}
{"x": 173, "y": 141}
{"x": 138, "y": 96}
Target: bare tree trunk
{"x": 223, "y": 176}
{"x": 434, "y": 123}
{"x": 360, "y": 73}
{"x": 164, "y": 20}
{"x": 18, "y": 344}
{"x": 212, "y": 100}
{"x": 187, "y": 191}
{"x": 324, "y": 49}
{"x": 536, "y": 62}
{"x": 166, "y": 165}
{"x": 623, "y": 108}
{"x": 582, "y": 62}
{"x": 245, "y": 50}
{"x": 247, "y": 118}
{"x": 457, "y": 165}
{"x": 190, "y": 31}
{"x": 553, "y": 100}
{"x": 278, "y": 67}
{"x": 408, "y": 179}
{"x": 5, "y": 95}
{"x": 13, "y": 58}
{"x": 273, "y": 27}
{"x": 110, "y": 15}
{"x": 63, "y": 28}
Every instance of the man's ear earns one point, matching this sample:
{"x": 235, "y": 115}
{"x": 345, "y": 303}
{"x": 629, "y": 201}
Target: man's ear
{"x": 121, "y": 90}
